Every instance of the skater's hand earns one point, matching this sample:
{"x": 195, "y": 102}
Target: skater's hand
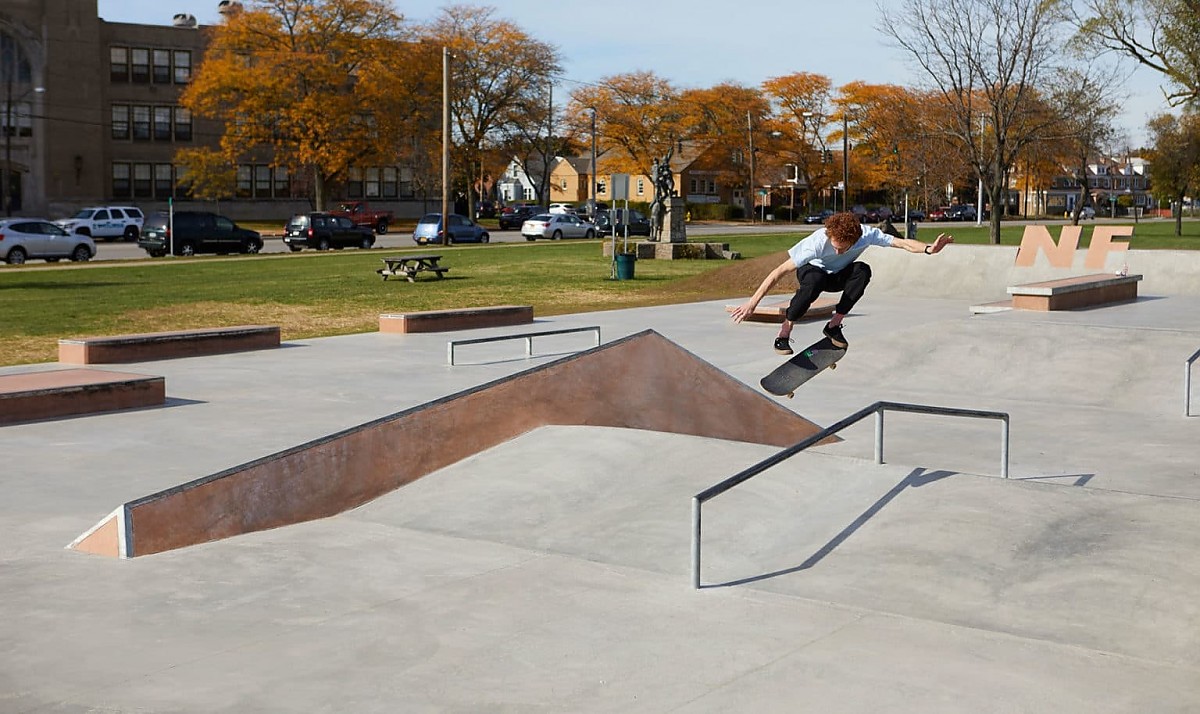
{"x": 741, "y": 312}
{"x": 942, "y": 241}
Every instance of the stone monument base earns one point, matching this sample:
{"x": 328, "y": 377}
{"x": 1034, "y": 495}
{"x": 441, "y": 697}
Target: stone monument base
{"x": 650, "y": 250}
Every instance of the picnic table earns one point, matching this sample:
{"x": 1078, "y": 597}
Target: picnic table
{"x": 409, "y": 265}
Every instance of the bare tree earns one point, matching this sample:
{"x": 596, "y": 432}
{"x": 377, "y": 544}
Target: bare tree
{"x": 1163, "y": 35}
{"x": 1085, "y": 101}
{"x": 986, "y": 58}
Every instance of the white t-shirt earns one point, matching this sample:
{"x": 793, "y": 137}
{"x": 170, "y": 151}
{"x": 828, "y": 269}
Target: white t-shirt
{"x": 817, "y": 249}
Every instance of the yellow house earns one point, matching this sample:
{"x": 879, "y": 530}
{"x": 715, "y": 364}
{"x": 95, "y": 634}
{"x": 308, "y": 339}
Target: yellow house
{"x": 701, "y": 176}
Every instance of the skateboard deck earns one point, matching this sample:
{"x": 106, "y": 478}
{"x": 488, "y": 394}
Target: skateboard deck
{"x": 803, "y": 366}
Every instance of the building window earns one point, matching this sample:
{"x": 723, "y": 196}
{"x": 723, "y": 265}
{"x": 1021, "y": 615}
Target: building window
{"x": 245, "y": 185}
{"x": 262, "y": 181}
{"x": 162, "y": 123}
{"x": 121, "y": 187}
{"x": 164, "y": 185}
{"x": 161, "y": 66}
{"x": 564, "y": 185}
{"x": 712, "y": 187}
{"x": 601, "y": 187}
{"x": 283, "y": 187}
{"x": 139, "y": 64}
{"x": 183, "y": 66}
{"x": 692, "y": 186}
{"x": 141, "y": 123}
{"x": 529, "y": 194}
{"x": 183, "y": 124}
{"x": 142, "y": 186}
{"x": 120, "y": 121}
{"x": 641, "y": 186}
{"x": 118, "y": 63}
{"x": 391, "y": 182}
{"x": 21, "y": 117}
{"x": 354, "y": 183}
{"x": 371, "y": 183}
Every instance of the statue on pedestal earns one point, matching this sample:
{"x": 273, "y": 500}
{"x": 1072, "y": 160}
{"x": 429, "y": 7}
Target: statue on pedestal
{"x": 664, "y": 188}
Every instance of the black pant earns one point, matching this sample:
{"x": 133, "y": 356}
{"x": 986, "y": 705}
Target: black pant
{"x": 851, "y": 280}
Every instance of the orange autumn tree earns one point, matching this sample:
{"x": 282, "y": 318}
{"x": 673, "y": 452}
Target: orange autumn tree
{"x": 638, "y": 118}
{"x": 802, "y": 108}
{"x": 719, "y": 120}
{"x": 316, "y": 87}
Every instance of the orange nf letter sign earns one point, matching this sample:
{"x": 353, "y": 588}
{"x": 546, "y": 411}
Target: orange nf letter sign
{"x": 1062, "y": 254}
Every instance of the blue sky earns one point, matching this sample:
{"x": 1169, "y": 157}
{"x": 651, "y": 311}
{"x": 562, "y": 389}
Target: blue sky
{"x": 691, "y": 45}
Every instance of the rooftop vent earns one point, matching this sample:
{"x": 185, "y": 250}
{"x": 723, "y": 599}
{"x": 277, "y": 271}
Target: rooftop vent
{"x": 184, "y": 20}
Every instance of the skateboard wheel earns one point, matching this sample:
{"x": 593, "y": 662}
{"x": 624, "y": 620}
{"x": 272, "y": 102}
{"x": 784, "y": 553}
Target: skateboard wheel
{"x": 833, "y": 366}
{"x": 791, "y": 394}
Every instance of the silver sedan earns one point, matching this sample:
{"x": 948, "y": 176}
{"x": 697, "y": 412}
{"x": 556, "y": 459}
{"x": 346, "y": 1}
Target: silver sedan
{"x": 557, "y": 225}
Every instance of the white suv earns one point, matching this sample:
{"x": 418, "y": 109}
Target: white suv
{"x": 107, "y": 222}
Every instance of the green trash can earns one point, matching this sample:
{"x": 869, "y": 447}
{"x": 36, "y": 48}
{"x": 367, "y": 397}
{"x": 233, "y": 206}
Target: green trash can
{"x": 625, "y": 265}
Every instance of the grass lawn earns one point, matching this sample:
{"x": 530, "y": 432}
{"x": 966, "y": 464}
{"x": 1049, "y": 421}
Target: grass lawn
{"x": 316, "y": 294}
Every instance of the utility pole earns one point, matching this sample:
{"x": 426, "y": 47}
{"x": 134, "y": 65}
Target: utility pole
{"x": 446, "y": 239}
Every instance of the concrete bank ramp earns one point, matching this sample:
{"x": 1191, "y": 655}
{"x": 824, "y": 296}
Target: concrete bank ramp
{"x": 643, "y": 381}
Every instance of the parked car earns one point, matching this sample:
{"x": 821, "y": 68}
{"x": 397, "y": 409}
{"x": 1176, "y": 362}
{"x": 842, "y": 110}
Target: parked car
{"x": 25, "y": 238}
{"x": 462, "y": 230}
{"x": 362, "y": 214}
{"x": 513, "y": 216}
{"x": 613, "y": 222}
{"x": 940, "y": 214}
{"x": 196, "y": 232}
{"x": 107, "y": 222}
{"x": 557, "y": 225}
{"x": 324, "y": 231}
{"x": 561, "y": 208}
{"x": 961, "y": 212}
{"x": 916, "y": 215}
{"x": 815, "y": 218}
{"x": 1087, "y": 212}
{"x": 485, "y": 209}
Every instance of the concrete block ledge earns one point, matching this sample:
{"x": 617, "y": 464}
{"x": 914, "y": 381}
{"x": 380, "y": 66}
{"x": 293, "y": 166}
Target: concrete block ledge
{"x": 456, "y": 319}
{"x": 70, "y": 392}
{"x": 1075, "y": 292}
{"x": 167, "y": 345}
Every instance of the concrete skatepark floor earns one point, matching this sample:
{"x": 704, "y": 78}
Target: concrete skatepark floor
{"x": 551, "y": 573}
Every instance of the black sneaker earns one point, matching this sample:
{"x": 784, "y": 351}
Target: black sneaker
{"x": 783, "y": 345}
{"x": 835, "y": 335}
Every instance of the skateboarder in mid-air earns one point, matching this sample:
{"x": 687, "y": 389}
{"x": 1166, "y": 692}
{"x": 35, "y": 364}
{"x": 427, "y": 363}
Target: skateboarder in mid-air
{"x": 825, "y": 261}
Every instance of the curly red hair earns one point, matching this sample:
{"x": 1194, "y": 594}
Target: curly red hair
{"x": 843, "y": 227}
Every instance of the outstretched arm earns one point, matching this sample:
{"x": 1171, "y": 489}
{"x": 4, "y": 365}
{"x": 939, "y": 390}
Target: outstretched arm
{"x": 744, "y": 311}
{"x": 916, "y": 246}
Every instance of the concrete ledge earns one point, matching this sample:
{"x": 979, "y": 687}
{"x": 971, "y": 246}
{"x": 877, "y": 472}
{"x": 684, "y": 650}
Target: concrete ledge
{"x": 68, "y": 392}
{"x": 167, "y": 345}
{"x": 458, "y": 319}
{"x": 775, "y": 312}
{"x": 1075, "y": 292}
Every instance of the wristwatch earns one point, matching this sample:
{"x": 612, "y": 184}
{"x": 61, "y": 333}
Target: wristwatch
{"x": 928, "y": 250}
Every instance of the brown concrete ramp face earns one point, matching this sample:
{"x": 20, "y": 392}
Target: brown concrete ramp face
{"x": 643, "y": 381}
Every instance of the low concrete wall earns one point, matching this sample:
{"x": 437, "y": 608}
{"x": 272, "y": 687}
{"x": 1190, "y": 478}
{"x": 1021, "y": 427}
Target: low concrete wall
{"x": 457, "y": 319}
{"x": 985, "y": 272}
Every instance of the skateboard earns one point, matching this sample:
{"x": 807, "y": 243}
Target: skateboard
{"x": 803, "y": 366}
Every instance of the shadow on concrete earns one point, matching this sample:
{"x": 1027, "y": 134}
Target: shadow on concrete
{"x": 919, "y": 477}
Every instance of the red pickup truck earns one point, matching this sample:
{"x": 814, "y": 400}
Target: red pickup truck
{"x": 363, "y": 215}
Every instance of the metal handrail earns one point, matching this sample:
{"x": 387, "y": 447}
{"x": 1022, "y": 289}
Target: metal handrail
{"x": 1187, "y": 384}
{"x": 878, "y": 408}
{"x": 527, "y": 336}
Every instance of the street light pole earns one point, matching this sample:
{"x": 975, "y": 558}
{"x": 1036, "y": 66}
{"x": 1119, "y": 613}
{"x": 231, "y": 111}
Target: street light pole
{"x": 750, "y": 133}
{"x": 446, "y": 146}
{"x": 592, "y": 206}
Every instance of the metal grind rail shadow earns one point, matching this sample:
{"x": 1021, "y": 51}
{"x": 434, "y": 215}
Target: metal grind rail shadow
{"x": 527, "y": 336}
{"x": 1187, "y": 384}
{"x": 878, "y": 409}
